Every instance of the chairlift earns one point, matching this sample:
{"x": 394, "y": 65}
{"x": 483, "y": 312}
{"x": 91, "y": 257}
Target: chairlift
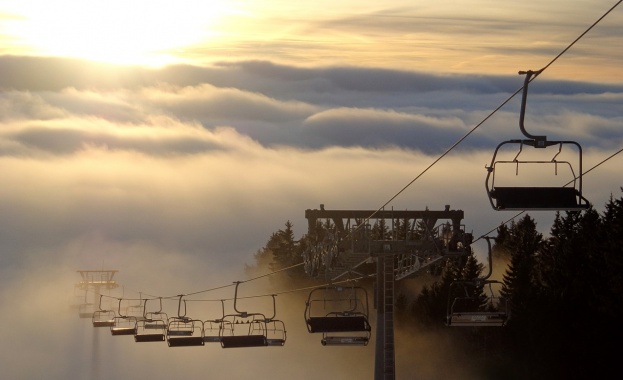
{"x": 340, "y": 314}
{"x": 183, "y": 331}
{"x": 471, "y": 310}
{"x": 246, "y": 329}
{"x": 152, "y": 326}
{"x": 468, "y": 306}
{"x": 123, "y": 324}
{"x": 86, "y": 310}
{"x": 275, "y": 329}
{"x": 103, "y": 317}
{"x": 275, "y": 333}
{"x": 557, "y": 194}
{"x": 261, "y": 331}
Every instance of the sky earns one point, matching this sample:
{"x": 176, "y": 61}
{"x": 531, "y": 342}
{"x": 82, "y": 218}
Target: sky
{"x": 169, "y": 140}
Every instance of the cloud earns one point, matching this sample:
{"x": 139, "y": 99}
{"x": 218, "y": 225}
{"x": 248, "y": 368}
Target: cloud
{"x": 304, "y": 108}
{"x": 368, "y": 127}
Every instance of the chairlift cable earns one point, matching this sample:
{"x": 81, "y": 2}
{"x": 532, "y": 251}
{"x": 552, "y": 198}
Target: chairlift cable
{"x": 285, "y": 291}
{"x": 274, "y": 272}
{"x": 582, "y": 35}
{"x": 601, "y": 162}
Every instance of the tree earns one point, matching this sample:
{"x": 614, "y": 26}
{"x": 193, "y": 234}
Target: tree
{"x": 284, "y": 248}
{"x": 520, "y": 288}
{"x": 380, "y": 230}
{"x": 523, "y": 242}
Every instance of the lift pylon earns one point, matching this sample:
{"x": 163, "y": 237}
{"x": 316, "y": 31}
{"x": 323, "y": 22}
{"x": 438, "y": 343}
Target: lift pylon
{"x": 93, "y": 282}
{"x": 344, "y": 242}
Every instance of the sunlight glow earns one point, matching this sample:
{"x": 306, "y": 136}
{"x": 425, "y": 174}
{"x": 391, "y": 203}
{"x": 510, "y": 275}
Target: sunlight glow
{"x": 146, "y": 32}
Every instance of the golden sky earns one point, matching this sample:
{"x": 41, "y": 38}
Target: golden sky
{"x": 478, "y": 36}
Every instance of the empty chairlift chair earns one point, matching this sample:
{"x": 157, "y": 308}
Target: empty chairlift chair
{"x": 86, "y": 309}
{"x": 243, "y": 329}
{"x": 542, "y": 181}
{"x": 123, "y": 324}
{"x": 152, "y": 327}
{"x": 246, "y": 330}
{"x": 103, "y": 317}
{"x": 183, "y": 331}
{"x": 274, "y": 329}
{"x": 275, "y": 333}
{"x": 476, "y": 303}
{"x": 340, "y": 314}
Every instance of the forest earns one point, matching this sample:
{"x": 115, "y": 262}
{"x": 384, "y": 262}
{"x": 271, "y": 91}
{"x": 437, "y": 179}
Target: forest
{"x": 565, "y": 294}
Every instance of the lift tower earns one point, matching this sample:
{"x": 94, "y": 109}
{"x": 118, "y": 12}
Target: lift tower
{"x": 95, "y": 281}
{"x": 399, "y": 243}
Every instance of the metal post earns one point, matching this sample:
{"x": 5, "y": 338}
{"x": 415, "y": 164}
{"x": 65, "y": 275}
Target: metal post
{"x": 384, "y": 363}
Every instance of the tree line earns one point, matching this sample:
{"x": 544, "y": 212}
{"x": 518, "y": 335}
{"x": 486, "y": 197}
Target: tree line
{"x": 565, "y": 294}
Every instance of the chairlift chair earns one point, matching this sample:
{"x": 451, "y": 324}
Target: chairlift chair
{"x": 340, "y": 314}
{"x": 275, "y": 329}
{"x": 183, "y": 331}
{"x": 244, "y": 329}
{"x": 86, "y": 310}
{"x": 152, "y": 326}
{"x": 275, "y": 333}
{"x": 123, "y": 324}
{"x": 563, "y": 194}
{"x": 247, "y": 330}
{"x": 471, "y": 308}
{"x": 251, "y": 329}
{"x": 150, "y": 330}
{"x": 103, "y": 317}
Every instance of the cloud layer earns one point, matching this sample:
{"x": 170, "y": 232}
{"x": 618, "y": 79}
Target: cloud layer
{"x": 177, "y": 176}
{"x": 287, "y": 106}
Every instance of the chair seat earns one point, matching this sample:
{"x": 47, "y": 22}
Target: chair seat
{"x": 149, "y": 338}
{"x": 337, "y": 324}
{"x": 535, "y": 198}
{"x": 234, "y": 341}
{"x": 185, "y": 341}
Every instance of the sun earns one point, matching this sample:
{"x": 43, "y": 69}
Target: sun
{"x": 144, "y": 32}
